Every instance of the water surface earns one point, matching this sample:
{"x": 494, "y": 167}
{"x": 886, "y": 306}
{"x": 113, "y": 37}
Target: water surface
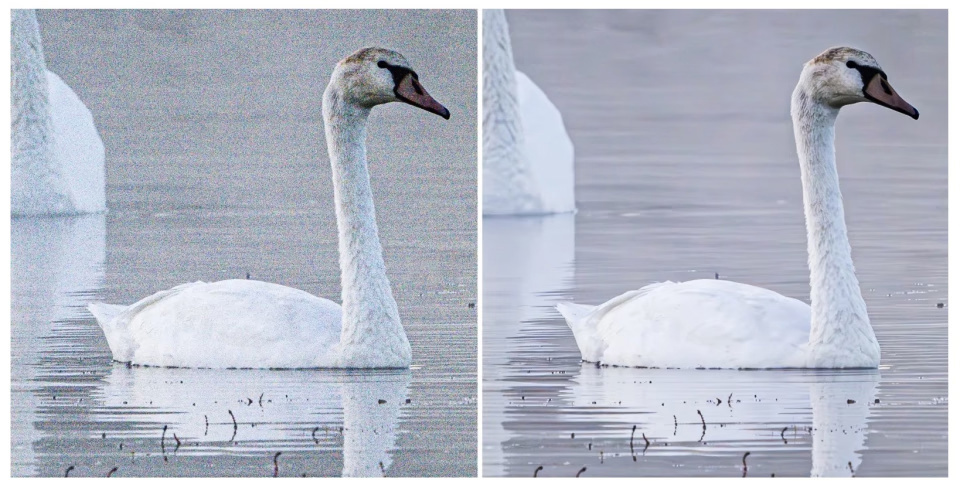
{"x": 686, "y": 168}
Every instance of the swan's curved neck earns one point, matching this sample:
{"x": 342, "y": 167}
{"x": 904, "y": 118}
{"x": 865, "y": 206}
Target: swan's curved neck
{"x": 506, "y": 171}
{"x": 840, "y": 328}
{"x": 371, "y": 335}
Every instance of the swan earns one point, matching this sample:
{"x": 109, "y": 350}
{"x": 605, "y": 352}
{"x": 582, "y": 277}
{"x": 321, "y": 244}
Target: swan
{"x": 57, "y": 155}
{"x": 252, "y": 324}
{"x": 722, "y": 324}
{"x": 527, "y": 155}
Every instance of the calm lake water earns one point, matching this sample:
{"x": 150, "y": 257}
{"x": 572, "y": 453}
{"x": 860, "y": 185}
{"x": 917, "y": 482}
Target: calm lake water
{"x": 686, "y": 168}
{"x": 217, "y": 168}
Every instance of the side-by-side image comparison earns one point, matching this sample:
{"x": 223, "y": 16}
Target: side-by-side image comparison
{"x": 673, "y": 282}
{"x": 478, "y": 243}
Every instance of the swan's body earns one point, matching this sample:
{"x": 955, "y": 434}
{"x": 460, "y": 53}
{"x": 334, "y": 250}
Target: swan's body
{"x": 244, "y": 323}
{"x": 679, "y": 325}
{"x": 251, "y": 324}
{"x": 721, "y": 324}
{"x": 527, "y": 155}
{"x": 57, "y": 154}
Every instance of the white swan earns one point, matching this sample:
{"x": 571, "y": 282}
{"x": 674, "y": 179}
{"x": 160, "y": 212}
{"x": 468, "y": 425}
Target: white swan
{"x": 721, "y": 324}
{"x": 57, "y": 155}
{"x": 251, "y": 324}
{"x": 527, "y": 155}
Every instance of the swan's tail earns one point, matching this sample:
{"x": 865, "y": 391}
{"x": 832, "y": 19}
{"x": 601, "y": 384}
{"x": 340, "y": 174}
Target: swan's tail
{"x": 578, "y": 318}
{"x": 115, "y": 321}
{"x": 119, "y": 340}
{"x": 583, "y": 320}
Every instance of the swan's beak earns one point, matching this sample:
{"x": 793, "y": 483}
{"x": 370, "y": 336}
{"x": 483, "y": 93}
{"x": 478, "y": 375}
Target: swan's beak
{"x": 880, "y": 91}
{"x": 410, "y": 91}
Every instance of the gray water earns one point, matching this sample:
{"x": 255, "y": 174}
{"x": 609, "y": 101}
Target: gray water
{"x": 217, "y": 168}
{"x": 686, "y": 168}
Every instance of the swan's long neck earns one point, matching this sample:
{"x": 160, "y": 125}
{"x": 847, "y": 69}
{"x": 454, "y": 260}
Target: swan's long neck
{"x": 509, "y": 185}
{"x": 371, "y": 335}
{"x": 34, "y": 177}
{"x": 840, "y": 331}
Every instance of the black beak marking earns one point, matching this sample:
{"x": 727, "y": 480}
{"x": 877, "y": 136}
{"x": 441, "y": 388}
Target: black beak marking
{"x": 886, "y": 87}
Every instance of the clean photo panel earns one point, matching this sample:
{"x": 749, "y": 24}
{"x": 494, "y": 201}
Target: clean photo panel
{"x": 673, "y": 282}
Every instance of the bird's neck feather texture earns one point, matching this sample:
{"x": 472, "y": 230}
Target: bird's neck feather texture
{"x": 371, "y": 334}
{"x": 840, "y": 328}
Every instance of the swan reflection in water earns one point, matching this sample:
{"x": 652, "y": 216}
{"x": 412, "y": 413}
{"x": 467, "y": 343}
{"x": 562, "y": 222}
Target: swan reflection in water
{"x": 743, "y": 409}
{"x": 524, "y": 256}
{"x": 277, "y": 410}
{"x": 56, "y": 267}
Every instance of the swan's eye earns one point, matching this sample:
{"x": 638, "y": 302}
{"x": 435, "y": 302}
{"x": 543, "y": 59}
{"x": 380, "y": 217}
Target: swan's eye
{"x": 868, "y": 72}
{"x": 382, "y": 64}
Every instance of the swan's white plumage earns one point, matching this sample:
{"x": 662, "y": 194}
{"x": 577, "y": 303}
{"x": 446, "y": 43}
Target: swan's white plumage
{"x": 527, "y": 154}
{"x": 694, "y": 324}
{"x": 77, "y": 147}
{"x": 721, "y": 324}
{"x": 251, "y": 324}
{"x": 225, "y": 324}
{"x": 57, "y": 154}
{"x": 548, "y": 147}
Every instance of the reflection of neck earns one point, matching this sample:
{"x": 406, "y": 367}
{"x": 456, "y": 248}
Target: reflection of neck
{"x": 369, "y": 426}
{"x": 508, "y": 180}
{"x": 840, "y": 332}
{"x": 372, "y": 335}
{"x": 840, "y": 428}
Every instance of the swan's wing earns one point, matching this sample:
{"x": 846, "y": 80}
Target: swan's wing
{"x": 699, "y": 324}
{"x": 114, "y": 320}
{"x": 227, "y": 324}
{"x": 548, "y": 148}
{"x": 583, "y": 320}
{"x": 77, "y": 150}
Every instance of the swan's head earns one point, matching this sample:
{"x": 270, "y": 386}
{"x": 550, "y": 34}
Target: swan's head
{"x": 841, "y": 76}
{"x": 373, "y": 76}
